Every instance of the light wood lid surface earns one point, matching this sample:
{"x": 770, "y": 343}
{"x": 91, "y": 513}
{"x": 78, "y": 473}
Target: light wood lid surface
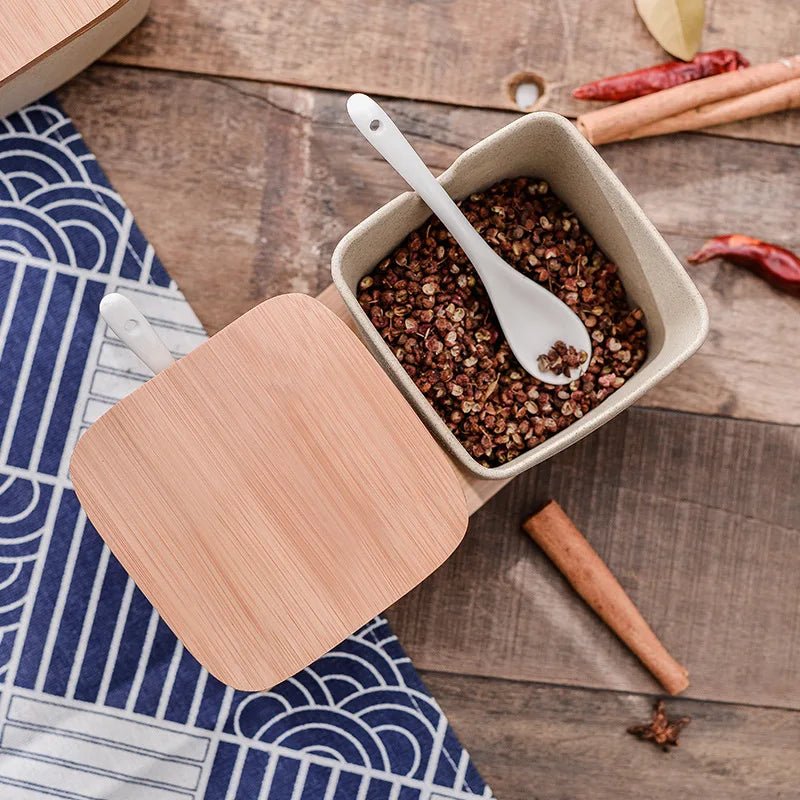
{"x": 30, "y": 29}
{"x": 270, "y": 492}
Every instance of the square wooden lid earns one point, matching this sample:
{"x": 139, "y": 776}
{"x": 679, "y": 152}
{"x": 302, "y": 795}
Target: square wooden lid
{"x": 270, "y": 492}
{"x": 30, "y": 29}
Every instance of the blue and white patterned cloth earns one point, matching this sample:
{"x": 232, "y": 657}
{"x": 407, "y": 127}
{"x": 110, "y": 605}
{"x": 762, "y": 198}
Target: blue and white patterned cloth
{"x": 99, "y": 700}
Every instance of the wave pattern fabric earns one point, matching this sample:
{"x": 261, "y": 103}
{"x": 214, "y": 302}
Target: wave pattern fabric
{"x": 98, "y": 699}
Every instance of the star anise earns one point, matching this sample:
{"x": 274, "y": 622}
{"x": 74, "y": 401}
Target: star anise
{"x": 661, "y": 731}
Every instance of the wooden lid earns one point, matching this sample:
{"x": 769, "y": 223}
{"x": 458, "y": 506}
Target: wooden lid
{"x": 30, "y": 30}
{"x": 270, "y": 492}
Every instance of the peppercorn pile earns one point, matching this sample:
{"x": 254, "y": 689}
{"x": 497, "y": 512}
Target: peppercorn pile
{"x": 429, "y": 306}
{"x": 561, "y": 359}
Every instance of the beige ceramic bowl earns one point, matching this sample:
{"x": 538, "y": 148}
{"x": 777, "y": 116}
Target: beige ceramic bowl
{"x": 547, "y": 146}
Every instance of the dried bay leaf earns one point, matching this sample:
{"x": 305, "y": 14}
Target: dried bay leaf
{"x": 677, "y": 25}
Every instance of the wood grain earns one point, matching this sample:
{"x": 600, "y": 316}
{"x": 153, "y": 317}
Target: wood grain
{"x": 244, "y": 190}
{"x": 559, "y": 743}
{"x": 443, "y": 51}
{"x": 699, "y": 520}
{"x": 270, "y": 492}
{"x": 587, "y": 573}
{"x": 29, "y": 30}
{"x": 477, "y": 492}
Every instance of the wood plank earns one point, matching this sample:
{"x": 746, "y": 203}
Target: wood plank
{"x": 699, "y": 519}
{"x": 446, "y": 52}
{"x": 535, "y": 741}
{"x": 244, "y": 189}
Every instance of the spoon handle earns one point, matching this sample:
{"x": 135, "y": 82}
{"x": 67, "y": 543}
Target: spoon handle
{"x": 122, "y": 316}
{"x": 380, "y": 131}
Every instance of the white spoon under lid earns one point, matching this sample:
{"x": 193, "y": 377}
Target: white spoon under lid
{"x": 135, "y": 332}
{"x": 532, "y": 318}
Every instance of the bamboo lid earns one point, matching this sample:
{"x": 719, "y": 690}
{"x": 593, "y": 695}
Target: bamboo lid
{"x": 270, "y": 492}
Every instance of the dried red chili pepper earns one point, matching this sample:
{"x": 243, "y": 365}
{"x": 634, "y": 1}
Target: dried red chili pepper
{"x": 777, "y": 265}
{"x": 662, "y": 76}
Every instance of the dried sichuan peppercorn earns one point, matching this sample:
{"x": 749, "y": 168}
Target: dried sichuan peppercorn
{"x": 430, "y": 307}
{"x": 661, "y": 76}
{"x": 773, "y": 263}
{"x": 561, "y": 359}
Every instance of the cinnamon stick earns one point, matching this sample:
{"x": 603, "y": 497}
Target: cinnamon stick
{"x": 614, "y": 122}
{"x": 780, "y": 97}
{"x": 567, "y": 548}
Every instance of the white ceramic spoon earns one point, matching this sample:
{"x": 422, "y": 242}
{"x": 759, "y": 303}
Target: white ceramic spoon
{"x": 532, "y": 318}
{"x": 135, "y": 332}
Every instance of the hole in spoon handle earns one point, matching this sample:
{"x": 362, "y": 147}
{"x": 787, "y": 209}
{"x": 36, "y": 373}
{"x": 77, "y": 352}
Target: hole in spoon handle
{"x": 380, "y": 131}
{"x": 135, "y": 332}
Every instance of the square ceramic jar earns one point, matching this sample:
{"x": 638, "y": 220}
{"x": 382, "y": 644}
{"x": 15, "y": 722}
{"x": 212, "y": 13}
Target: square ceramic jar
{"x": 547, "y": 146}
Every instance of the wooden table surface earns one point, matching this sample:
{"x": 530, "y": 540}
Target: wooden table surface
{"x": 223, "y": 126}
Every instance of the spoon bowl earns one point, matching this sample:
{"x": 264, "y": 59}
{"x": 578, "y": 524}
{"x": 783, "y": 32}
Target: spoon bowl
{"x": 531, "y": 317}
